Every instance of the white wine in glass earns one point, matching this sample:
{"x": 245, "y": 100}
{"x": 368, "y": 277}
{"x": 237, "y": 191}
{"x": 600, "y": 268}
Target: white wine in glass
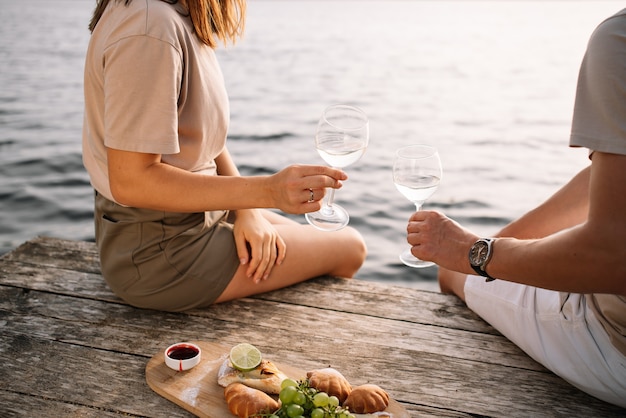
{"x": 416, "y": 174}
{"x": 341, "y": 139}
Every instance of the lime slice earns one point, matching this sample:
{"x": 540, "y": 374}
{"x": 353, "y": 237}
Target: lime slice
{"x": 245, "y": 357}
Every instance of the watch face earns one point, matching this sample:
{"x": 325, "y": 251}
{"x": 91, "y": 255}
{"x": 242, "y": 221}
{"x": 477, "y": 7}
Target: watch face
{"x": 479, "y": 253}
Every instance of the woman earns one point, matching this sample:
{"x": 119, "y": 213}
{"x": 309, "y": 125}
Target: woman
{"x": 156, "y": 119}
{"x": 560, "y": 292}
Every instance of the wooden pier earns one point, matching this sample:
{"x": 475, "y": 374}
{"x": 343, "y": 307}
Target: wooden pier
{"x": 70, "y": 348}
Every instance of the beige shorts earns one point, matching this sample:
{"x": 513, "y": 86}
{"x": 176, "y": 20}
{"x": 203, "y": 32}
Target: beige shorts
{"x": 163, "y": 260}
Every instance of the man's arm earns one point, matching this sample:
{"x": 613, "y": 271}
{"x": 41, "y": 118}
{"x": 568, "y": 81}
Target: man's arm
{"x": 588, "y": 258}
{"x": 566, "y": 208}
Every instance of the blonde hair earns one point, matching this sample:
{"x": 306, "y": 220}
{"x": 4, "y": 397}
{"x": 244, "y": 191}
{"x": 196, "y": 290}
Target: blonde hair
{"x": 212, "y": 20}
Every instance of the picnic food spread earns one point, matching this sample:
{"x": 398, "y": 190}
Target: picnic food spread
{"x": 236, "y": 381}
{"x": 325, "y": 393}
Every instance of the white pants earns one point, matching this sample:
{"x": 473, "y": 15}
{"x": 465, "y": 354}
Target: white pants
{"x": 557, "y": 330}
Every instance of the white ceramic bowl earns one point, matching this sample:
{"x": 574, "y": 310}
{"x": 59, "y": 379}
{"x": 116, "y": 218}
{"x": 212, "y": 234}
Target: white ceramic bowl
{"x": 182, "y": 356}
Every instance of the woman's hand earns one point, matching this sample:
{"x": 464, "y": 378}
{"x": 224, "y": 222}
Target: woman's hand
{"x": 437, "y": 238}
{"x": 258, "y": 244}
{"x": 300, "y": 189}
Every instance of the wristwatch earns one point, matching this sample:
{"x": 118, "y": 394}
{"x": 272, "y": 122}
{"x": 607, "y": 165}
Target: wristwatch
{"x": 479, "y": 255}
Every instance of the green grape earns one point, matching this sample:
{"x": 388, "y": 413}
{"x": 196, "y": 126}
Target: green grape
{"x": 299, "y": 398}
{"x": 317, "y": 413}
{"x": 293, "y": 411}
{"x": 321, "y": 399}
{"x": 287, "y": 394}
{"x": 288, "y": 382}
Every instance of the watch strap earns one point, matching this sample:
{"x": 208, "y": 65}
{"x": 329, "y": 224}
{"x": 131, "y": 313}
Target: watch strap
{"x": 483, "y": 273}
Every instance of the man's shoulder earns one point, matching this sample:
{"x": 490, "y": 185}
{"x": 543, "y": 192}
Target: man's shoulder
{"x": 611, "y": 26}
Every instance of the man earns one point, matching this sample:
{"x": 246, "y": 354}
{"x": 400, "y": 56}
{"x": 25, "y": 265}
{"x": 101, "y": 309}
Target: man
{"x": 554, "y": 281}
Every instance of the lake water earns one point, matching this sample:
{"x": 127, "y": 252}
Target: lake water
{"x": 490, "y": 83}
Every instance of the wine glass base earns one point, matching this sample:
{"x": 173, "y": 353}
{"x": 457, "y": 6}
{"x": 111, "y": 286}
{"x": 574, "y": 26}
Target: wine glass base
{"x": 328, "y": 219}
{"x": 410, "y": 260}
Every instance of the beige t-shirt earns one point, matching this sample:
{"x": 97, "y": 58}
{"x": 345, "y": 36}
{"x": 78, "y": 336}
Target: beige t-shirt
{"x": 152, "y": 86}
{"x": 599, "y": 124}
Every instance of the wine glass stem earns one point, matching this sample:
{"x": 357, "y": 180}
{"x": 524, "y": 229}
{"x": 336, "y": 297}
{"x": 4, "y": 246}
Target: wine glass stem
{"x": 418, "y": 206}
{"x": 331, "y": 197}
{"x": 328, "y": 205}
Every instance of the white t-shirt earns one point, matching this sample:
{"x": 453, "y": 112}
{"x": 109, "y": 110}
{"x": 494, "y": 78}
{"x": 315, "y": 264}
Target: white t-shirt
{"x": 152, "y": 86}
{"x": 599, "y": 124}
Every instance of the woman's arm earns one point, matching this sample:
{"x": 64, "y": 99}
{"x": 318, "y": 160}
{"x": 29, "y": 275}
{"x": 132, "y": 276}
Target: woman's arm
{"x": 225, "y": 164}
{"x": 142, "y": 180}
{"x": 259, "y": 246}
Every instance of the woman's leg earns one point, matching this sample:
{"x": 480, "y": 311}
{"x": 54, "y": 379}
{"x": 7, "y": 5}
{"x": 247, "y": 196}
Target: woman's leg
{"x": 277, "y": 218}
{"x": 310, "y": 253}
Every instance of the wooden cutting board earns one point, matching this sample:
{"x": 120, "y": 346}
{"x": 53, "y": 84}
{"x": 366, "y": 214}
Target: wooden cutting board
{"x": 197, "y": 391}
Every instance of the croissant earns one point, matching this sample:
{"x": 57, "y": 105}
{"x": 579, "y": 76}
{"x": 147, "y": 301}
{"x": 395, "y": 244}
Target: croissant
{"x": 330, "y": 381}
{"x": 244, "y": 401}
{"x": 367, "y": 399}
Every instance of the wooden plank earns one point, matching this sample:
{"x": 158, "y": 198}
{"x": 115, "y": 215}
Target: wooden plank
{"x": 70, "y": 374}
{"x": 429, "y": 338}
{"x": 280, "y": 319}
{"x": 376, "y": 299}
{"x": 54, "y": 252}
{"x": 424, "y": 379}
{"x": 356, "y": 296}
{"x": 14, "y": 405}
{"x": 427, "y": 349}
{"x": 53, "y": 331}
{"x": 55, "y": 280}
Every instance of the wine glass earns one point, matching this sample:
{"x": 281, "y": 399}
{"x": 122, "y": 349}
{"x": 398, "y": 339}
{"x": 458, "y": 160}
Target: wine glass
{"x": 416, "y": 174}
{"x": 341, "y": 139}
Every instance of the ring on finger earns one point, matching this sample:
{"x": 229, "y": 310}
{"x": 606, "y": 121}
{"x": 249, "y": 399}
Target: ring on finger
{"x": 312, "y": 197}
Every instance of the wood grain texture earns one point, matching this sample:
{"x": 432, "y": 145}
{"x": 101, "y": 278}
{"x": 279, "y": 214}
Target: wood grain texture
{"x": 69, "y": 347}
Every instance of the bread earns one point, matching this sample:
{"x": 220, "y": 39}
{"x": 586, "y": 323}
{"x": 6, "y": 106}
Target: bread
{"x": 245, "y": 402}
{"x": 367, "y": 399}
{"x": 330, "y": 381}
{"x": 266, "y": 376}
